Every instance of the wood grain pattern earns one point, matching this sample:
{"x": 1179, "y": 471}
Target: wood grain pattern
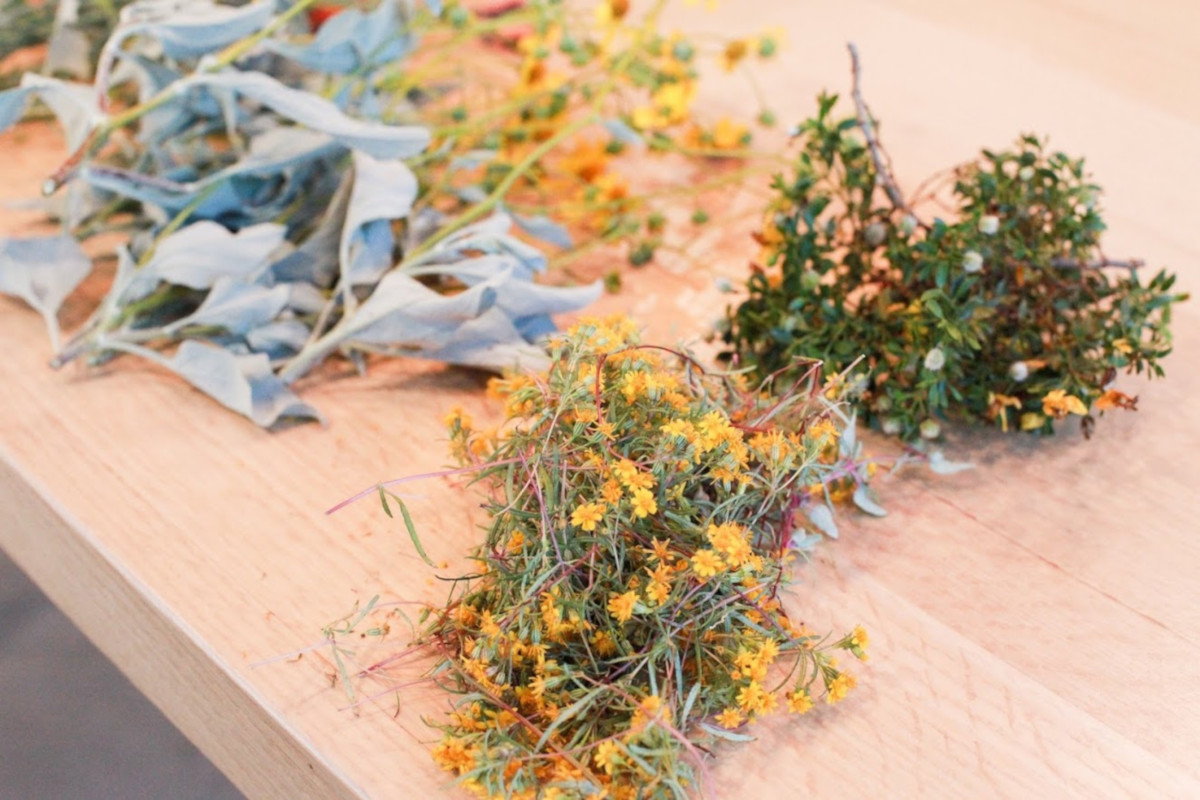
{"x": 1035, "y": 624}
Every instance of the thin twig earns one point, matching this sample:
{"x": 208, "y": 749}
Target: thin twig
{"x": 882, "y": 173}
{"x": 1100, "y": 263}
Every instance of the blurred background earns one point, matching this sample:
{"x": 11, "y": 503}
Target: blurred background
{"x": 71, "y": 726}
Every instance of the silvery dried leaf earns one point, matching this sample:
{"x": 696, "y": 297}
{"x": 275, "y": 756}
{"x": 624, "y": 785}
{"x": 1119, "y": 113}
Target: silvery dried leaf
{"x": 374, "y": 138}
{"x": 404, "y": 312}
{"x": 623, "y": 133}
{"x": 865, "y": 499}
{"x": 491, "y": 236}
{"x": 383, "y": 191}
{"x": 351, "y": 41}
{"x": 241, "y": 383}
{"x": 236, "y": 307}
{"x": 43, "y": 271}
{"x": 490, "y": 341}
{"x": 546, "y": 229}
{"x": 821, "y": 516}
{"x": 192, "y": 28}
{"x": 73, "y": 103}
{"x": 199, "y": 254}
{"x": 232, "y": 191}
{"x": 279, "y": 339}
{"x": 315, "y": 260}
{"x": 939, "y": 464}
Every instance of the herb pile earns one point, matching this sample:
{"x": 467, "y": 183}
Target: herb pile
{"x": 626, "y": 608}
{"x": 1009, "y": 313}
{"x": 388, "y": 185}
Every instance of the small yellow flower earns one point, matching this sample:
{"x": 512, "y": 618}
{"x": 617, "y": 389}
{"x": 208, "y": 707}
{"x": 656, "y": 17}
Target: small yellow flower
{"x": 607, "y": 756}
{"x": 621, "y": 606}
{"x": 587, "y": 515}
{"x": 457, "y": 417}
{"x": 454, "y": 755}
{"x": 728, "y": 135}
{"x": 661, "y": 549}
{"x": 707, "y": 563}
{"x": 1058, "y": 404}
{"x": 799, "y": 702}
{"x": 611, "y": 491}
{"x": 734, "y": 52}
{"x": 754, "y": 699}
{"x": 730, "y": 718}
{"x": 839, "y": 686}
{"x": 644, "y": 503}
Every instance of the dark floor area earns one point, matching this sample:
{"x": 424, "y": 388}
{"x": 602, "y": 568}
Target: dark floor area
{"x": 71, "y": 726}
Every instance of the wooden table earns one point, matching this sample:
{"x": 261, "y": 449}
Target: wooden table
{"x": 1035, "y": 625}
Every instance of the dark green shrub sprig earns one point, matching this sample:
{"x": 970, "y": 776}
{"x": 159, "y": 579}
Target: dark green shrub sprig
{"x": 1008, "y": 313}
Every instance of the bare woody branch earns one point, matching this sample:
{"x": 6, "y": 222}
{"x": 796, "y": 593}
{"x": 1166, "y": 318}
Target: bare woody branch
{"x": 868, "y": 128}
{"x": 1100, "y": 263}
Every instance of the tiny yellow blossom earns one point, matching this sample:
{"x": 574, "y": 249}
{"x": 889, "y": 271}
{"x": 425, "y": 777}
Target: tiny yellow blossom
{"x": 730, "y": 718}
{"x": 607, "y": 756}
{"x": 839, "y": 686}
{"x": 799, "y": 702}
{"x": 644, "y": 503}
{"x": 621, "y": 606}
{"x": 707, "y": 563}
{"x": 587, "y": 515}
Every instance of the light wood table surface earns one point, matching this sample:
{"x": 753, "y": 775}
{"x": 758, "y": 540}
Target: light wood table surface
{"x": 1035, "y": 625}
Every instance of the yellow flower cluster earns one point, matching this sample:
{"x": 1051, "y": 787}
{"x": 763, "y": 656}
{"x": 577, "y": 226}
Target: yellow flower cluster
{"x": 638, "y": 536}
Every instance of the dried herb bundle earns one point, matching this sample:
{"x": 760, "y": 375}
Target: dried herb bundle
{"x": 389, "y": 183}
{"x": 1008, "y": 314}
{"x": 626, "y": 609}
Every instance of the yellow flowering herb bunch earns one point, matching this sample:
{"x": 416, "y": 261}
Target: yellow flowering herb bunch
{"x": 626, "y": 608}
{"x": 551, "y": 109}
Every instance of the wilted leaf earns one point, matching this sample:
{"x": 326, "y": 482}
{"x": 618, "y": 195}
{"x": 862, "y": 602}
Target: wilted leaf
{"x": 235, "y": 191}
{"x": 822, "y": 517}
{"x": 939, "y": 464}
{"x": 546, "y": 229}
{"x": 383, "y": 191}
{"x": 490, "y": 341}
{"x": 191, "y": 29}
{"x": 43, "y": 271}
{"x": 244, "y": 384}
{"x": 865, "y": 499}
{"x": 235, "y": 306}
{"x": 279, "y": 339}
{"x": 351, "y": 41}
{"x": 374, "y": 138}
{"x": 73, "y": 103}
{"x": 623, "y": 133}
{"x": 199, "y": 254}
{"x": 404, "y": 312}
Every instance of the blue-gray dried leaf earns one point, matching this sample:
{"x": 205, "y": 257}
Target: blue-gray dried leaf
{"x": 350, "y": 42}
{"x": 383, "y": 191}
{"x": 74, "y": 104}
{"x": 241, "y": 383}
{"x": 199, "y": 254}
{"x": 43, "y": 271}
{"x": 546, "y": 229}
{"x": 374, "y": 138}
{"x": 190, "y": 29}
{"x": 236, "y": 307}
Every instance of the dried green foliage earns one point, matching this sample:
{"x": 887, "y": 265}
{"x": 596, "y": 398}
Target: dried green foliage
{"x": 1008, "y": 313}
{"x": 625, "y": 611}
